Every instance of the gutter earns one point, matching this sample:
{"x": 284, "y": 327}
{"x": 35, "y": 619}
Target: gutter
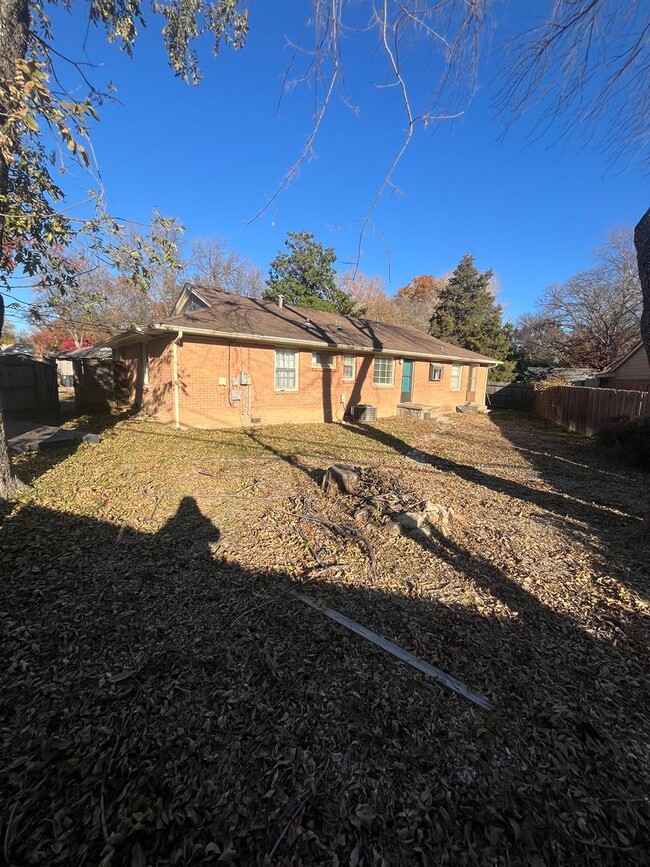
{"x": 177, "y": 411}
{"x": 321, "y": 344}
{"x": 162, "y": 328}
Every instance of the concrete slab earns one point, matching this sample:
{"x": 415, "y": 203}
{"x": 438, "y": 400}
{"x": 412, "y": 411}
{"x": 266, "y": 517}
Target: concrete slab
{"x": 25, "y": 436}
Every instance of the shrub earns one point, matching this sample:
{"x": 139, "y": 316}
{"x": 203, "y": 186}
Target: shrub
{"x": 550, "y": 382}
{"x": 628, "y": 440}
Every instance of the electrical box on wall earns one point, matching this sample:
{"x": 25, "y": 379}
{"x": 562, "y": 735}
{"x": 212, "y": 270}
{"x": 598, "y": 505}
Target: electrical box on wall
{"x": 235, "y": 395}
{"x": 223, "y": 380}
{"x": 244, "y": 378}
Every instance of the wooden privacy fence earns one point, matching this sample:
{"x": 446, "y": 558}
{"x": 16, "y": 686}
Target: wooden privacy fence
{"x": 28, "y": 387}
{"x": 102, "y": 382}
{"x": 587, "y": 410}
{"x": 510, "y": 395}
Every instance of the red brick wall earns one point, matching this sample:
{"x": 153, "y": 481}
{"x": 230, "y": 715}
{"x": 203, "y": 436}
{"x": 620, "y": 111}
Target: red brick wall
{"x": 205, "y": 402}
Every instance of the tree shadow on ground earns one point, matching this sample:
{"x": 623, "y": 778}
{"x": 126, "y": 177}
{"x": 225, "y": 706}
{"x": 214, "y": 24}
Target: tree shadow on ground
{"x": 162, "y": 704}
{"x": 572, "y": 506}
{"x": 31, "y": 465}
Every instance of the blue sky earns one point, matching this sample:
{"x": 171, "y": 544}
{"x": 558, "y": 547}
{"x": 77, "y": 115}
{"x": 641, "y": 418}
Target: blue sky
{"x": 211, "y": 155}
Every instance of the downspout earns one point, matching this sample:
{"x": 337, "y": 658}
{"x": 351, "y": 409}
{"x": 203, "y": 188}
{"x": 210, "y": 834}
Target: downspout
{"x": 177, "y": 411}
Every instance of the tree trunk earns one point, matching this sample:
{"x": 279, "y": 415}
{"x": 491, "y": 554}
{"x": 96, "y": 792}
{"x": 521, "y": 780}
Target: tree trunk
{"x": 642, "y": 245}
{"x": 14, "y": 29}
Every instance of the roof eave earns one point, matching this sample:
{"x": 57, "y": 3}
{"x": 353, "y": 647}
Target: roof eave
{"x": 317, "y": 344}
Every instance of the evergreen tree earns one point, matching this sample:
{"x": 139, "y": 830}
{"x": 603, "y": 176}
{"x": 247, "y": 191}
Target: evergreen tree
{"x": 304, "y": 276}
{"x": 468, "y": 315}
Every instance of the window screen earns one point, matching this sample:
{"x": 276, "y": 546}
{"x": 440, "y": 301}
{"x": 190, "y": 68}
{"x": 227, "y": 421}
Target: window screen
{"x": 349, "y": 366}
{"x": 435, "y": 372}
{"x": 285, "y": 369}
{"x": 456, "y": 376}
{"x": 383, "y": 371}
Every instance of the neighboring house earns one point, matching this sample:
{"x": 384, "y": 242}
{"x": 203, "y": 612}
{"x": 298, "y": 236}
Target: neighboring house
{"x": 223, "y": 360}
{"x": 632, "y": 372}
{"x": 571, "y": 375}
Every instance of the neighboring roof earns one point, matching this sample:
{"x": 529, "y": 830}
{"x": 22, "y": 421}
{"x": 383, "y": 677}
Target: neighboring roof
{"x": 570, "y": 374}
{"x": 19, "y": 349}
{"x": 99, "y": 350}
{"x": 234, "y": 316}
{"x": 618, "y": 363}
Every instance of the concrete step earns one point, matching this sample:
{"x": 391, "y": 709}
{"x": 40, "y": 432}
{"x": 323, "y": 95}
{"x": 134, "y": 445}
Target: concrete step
{"x": 418, "y": 410}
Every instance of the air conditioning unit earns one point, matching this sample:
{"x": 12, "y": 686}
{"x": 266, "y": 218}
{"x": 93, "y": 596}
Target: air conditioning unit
{"x": 364, "y": 412}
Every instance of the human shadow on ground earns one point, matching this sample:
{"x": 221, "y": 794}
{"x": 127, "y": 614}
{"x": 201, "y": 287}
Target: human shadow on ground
{"x": 163, "y": 704}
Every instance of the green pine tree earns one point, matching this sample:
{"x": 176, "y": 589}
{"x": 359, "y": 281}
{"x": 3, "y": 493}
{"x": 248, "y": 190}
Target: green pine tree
{"x": 468, "y": 315}
{"x": 304, "y": 276}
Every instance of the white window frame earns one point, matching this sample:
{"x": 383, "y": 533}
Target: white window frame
{"x": 375, "y": 371}
{"x": 296, "y": 368}
{"x": 433, "y": 365}
{"x": 459, "y": 369}
{"x": 353, "y": 360}
{"x": 317, "y": 359}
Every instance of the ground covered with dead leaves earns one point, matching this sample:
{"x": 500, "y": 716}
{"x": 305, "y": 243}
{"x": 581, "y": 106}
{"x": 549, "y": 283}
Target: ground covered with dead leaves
{"x": 166, "y": 700}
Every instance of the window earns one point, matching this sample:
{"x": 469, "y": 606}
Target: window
{"x": 286, "y": 370}
{"x": 193, "y": 303}
{"x": 349, "y": 367}
{"x": 435, "y": 372}
{"x": 456, "y": 376}
{"x": 383, "y": 371}
{"x": 323, "y": 359}
{"x": 472, "y": 379}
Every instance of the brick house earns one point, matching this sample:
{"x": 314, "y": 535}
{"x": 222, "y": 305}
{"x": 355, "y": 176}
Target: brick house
{"x": 632, "y": 372}
{"x": 221, "y": 360}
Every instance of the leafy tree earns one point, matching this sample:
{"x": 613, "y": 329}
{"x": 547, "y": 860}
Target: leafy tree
{"x": 539, "y": 342}
{"x": 417, "y": 300}
{"x": 468, "y": 315}
{"x": 9, "y": 334}
{"x": 56, "y": 338}
{"x": 370, "y": 298}
{"x": 305, "y": 276}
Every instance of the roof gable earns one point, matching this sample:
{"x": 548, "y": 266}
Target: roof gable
{"x": 636, "y": 348}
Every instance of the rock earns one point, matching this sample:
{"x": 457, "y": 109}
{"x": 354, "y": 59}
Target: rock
{"x": 431, "y": 508}
{"x": 340, "y": 479}
{"x": 410, "y": 520}
{"x": 361, "y": 514}
{"x": 392, "y": 528}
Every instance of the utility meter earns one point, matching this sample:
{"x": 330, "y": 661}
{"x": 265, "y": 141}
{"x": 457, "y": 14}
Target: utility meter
{"x": 244, "y": 378}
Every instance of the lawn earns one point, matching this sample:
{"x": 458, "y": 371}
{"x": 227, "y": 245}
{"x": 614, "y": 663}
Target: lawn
{"x": 165, "y": 700}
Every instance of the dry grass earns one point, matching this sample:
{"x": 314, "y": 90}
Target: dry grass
{"x": 158, "y": 710}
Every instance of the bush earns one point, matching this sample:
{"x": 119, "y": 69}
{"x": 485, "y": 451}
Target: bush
{"x": 628, "y": 440}
{"x": 550, "y": 382}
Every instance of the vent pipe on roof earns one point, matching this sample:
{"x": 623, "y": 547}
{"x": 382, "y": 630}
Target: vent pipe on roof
{"x": 280, "y": 300}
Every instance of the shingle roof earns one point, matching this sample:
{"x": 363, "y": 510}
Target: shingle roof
{"x": 98, "y": 350}
{"x": 234, "y": 314}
